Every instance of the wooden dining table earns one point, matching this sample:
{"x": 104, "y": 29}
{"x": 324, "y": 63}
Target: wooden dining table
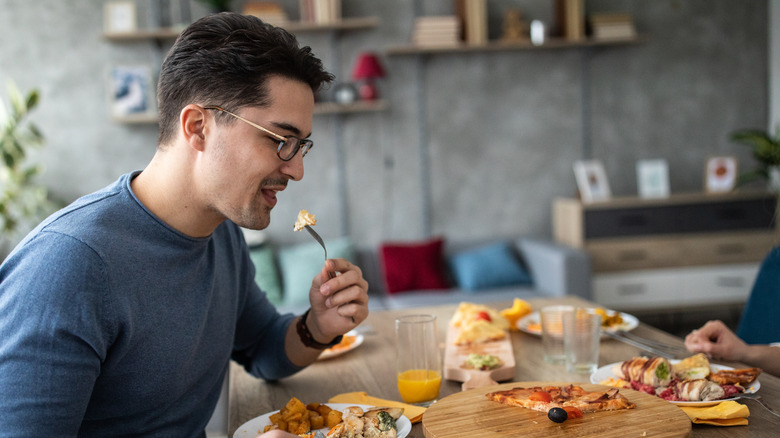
{"x": 371, "y": 368}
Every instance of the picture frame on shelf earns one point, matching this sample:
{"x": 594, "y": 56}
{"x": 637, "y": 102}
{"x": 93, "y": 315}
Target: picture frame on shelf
{"x": 131, "y": 91}
{"x": 592, "y": 181}
{"x": 720, "y": 174}
{"x": 120, "y": 17}
{"x": 652, "y": 178}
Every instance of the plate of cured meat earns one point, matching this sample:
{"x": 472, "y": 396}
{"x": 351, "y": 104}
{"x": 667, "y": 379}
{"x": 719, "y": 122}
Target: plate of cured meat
{"x": 693, "y": 381}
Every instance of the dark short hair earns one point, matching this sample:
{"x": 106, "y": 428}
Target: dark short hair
{"x": 225, "y": 59}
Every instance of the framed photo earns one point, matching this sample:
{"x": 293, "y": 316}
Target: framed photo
{"x": 720, "y": 174}
{"x": 652, "y": 178}
{"x": 120, "y": 17}
{"x": 592, "y": 180}
{"x": 131, "y": 91}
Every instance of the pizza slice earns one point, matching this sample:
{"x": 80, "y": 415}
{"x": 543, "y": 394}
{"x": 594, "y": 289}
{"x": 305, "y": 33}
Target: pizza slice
{"x": 543, "y": 399}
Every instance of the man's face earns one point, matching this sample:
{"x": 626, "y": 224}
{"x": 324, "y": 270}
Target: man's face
{"x": 241, "y": 170}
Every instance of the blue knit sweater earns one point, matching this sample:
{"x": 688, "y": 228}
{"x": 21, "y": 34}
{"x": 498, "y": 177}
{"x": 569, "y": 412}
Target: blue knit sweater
{"x": 112, "y": 323}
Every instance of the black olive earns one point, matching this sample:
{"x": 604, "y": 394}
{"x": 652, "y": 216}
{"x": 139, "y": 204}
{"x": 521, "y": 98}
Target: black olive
{"x": 557, "y": 415}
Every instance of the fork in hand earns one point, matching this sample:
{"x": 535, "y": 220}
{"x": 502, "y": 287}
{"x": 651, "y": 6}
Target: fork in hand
{"x": 317, "y": 237}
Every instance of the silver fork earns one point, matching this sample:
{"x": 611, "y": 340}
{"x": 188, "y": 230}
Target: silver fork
{"x": 758, "y": 398}
{"x": 319, "y": 240}
{"x": 317, "y": 237}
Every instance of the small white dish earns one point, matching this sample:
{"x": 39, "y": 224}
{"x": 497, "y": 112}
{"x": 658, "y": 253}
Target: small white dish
{"x": 338, "y": 351}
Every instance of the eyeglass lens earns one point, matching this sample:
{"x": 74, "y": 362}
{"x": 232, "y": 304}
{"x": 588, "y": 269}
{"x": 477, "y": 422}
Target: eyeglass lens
{"x": 289, "y": 147}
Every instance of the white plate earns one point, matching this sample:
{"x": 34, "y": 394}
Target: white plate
{"x": 255, "y": 426}
{"x": 605, "y": 373}
{"x": 630, "y": 322}
{"x": 330, "y": 352}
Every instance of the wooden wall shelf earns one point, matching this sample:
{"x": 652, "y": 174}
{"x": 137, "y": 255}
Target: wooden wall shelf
{"x": 356, "y": 107}
{"x": 344, "y": 24}
{"x": 144, "y": 34}
{"x": 496, "y": 46}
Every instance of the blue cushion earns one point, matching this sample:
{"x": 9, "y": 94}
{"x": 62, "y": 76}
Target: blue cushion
{"x": 300, "y": 263}
{"x": 266, "y": 272}
{"x": 489, "y": 266}
{"x": 759, "y": 323}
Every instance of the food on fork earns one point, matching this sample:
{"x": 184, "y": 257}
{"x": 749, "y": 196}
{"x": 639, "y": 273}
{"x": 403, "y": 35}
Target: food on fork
{"x": 304, "y": 218}
{"x": 543, "y": 399}
{"x": 652, "y": 371}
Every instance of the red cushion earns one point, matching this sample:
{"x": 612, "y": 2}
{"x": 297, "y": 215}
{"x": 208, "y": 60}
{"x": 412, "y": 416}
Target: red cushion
{"x": 411, "y": 266}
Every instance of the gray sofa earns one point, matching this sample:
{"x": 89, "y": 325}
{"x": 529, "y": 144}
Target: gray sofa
{"x": 555, "y": 269}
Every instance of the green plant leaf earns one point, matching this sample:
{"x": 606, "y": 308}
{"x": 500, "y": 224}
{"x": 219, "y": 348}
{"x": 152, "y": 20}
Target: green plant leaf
{"x": 32, "y": 100}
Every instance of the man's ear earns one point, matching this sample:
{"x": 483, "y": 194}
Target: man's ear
{"x": 193, "y": 125}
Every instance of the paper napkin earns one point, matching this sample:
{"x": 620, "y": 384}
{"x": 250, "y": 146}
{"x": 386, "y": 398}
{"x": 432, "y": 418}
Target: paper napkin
{"x": 727, "y": 413}
{"x": 413, "y": 413}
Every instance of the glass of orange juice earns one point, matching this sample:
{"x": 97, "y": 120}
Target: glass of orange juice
{"x": 419, "y": 359}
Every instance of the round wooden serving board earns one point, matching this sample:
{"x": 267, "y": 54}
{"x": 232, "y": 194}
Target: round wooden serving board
{"x": 470, "y": 414}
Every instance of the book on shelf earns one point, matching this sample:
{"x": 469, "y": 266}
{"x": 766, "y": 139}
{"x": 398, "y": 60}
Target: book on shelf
{"x": 320, "y": 11}
{"x": 612, "y": 26}
{"x": 473, "y": 16}
{"x": 441, "y": 30}
{"x": 571, "y": 19}
{"x": 270, "y": 12}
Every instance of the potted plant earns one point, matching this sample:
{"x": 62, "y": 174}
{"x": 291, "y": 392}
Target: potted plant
{"x": 766, "y": 150}
{"x": 22, "y": 200}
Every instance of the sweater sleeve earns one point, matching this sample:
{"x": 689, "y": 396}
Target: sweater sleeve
{"x": 260, "y": 330}
{"x": 54, "y": 335}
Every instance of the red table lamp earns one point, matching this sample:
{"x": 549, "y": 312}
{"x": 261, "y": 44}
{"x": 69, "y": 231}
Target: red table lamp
{"x": 367, "y": 68}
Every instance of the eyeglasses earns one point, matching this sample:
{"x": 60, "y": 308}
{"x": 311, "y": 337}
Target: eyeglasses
{"x": 288, "y": 146}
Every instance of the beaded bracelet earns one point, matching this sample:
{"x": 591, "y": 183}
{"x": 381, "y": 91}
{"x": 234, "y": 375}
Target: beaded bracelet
{"x": 306, "y": 337}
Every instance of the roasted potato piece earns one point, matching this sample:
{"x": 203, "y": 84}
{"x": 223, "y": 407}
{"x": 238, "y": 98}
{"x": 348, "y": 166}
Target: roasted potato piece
{"x": 323, "y": 410}
{"x": 295, "y": 405}
{"x": 317, "y": 421}
{"x": 333, "y": 418}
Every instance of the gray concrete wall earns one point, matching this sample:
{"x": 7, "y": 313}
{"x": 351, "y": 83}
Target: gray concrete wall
{"x": 502, "y": 129}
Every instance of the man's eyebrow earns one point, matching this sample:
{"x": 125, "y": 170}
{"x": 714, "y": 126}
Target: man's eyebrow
{"x": 288, "y": 127}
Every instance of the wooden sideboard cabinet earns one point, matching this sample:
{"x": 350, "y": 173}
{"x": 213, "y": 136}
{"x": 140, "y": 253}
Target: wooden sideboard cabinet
{"x": 684, "y": 250}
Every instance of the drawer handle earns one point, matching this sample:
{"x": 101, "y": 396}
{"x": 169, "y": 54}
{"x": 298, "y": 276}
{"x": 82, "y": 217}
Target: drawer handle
{"x": 631, "y": 289}
{"x": 632, "y": 256}
{"x": 730, "y": 282}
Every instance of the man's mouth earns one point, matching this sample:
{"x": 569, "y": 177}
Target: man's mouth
{"x": 270, "y": 197}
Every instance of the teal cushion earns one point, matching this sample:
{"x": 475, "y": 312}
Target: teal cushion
{"x": 300, "y": 263}
{"x": 266, "y": 272}
{"x": 489, "y": 266}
